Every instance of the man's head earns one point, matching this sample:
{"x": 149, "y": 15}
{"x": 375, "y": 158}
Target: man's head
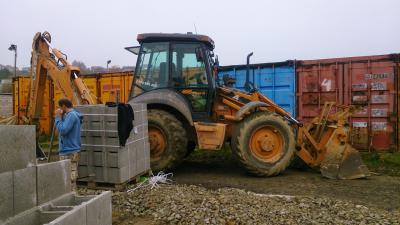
{"x": 65, "y": 104}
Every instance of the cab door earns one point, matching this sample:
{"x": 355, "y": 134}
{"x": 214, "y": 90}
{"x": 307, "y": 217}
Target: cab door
{"x": 188, "y": 71}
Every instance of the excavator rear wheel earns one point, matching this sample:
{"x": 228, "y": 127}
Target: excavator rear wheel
{"x": 263, "y": 143}
{"x": 168, "y": 140}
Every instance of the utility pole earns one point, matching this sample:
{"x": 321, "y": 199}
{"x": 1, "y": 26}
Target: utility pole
{"x": 13, "y": 47}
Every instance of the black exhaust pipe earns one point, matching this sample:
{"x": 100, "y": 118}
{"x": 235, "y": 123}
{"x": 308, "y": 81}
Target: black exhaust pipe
{"x": 247, "y": 84}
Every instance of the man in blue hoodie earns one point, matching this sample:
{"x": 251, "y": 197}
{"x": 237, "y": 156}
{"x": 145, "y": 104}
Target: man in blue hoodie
{"x": 68, "y": 123}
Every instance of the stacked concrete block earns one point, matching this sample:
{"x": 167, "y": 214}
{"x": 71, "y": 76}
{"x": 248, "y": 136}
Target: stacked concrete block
{"x": 68, "y": 209}
{"x": 103, "y": 160}
{"x": 53, "y": 180}
{"x": 139, "y": 139}
{"x": 6, "y": 103}
{"x": 17, "y": 147}
{"x": 6, "y": 196}
{"x": 25, "y": 192}
{"x": 34, "y": 194}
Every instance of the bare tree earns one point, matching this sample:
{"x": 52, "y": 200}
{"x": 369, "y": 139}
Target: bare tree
{"x": 81, "y": 65}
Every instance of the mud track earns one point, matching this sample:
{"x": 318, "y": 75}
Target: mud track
{"x": 379, "y": 191}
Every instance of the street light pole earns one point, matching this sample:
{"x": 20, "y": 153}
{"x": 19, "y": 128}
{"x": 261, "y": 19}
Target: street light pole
{"x": 13, "y": 47}
{"x": 108, "y": 62}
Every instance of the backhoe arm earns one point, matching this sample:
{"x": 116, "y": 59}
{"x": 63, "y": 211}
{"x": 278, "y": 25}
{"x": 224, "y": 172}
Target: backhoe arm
{"x": 47, "y": 61}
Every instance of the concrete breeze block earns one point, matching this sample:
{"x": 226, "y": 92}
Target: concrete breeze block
{"x": 17, "y": 147}
{"x": 132, "y": 162}
{"x": 118, "y": 159}
{"x": 102, "y": 157}
{"x": 76, "y": 216}
{"x": 30, "y": 217}
{"x": 53, "y": 180}
{"x": 99, "y": 210}
{"x": 6, "y": 196}
{"x": 25, "y": 195}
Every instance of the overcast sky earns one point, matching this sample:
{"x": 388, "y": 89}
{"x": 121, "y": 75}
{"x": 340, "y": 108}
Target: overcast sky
{"x": 95, "y": 31}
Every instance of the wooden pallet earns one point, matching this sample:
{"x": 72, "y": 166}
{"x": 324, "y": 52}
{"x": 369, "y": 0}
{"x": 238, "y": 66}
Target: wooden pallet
{"x": 111, "y": 186}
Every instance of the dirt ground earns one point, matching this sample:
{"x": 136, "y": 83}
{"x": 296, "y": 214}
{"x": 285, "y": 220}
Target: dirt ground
{"x": 379, "y": 191}
{"x": 219, "y": 171}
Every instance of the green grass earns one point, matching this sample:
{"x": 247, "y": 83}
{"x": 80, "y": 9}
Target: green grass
{"x": 44, "y": 138}
{"x": 383, "y": 163}
{"x": 210, "y": 155}
{"x": 44, "y": 142}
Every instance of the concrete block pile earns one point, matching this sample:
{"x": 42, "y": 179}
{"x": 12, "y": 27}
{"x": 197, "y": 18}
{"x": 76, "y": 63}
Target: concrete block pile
{"x": 34, "y": 194}
{"x": 6, "y": 103}
{"x": 103, "y": 160}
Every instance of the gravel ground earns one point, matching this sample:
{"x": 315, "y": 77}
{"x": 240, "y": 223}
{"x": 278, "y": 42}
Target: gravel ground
{"x": 190, "y": 204}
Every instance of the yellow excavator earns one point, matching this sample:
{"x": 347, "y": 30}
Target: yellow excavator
{"x": 48, "y": 62}
{"x": 176, "y": 75}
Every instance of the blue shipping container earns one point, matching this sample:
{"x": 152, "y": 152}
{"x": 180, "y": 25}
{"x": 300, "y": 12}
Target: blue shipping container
{"x": 277, "y": 81}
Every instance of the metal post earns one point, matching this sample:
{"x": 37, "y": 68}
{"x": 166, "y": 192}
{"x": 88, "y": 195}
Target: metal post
{"x": 13, "y": 47}
{"x": 15, "y": 61}
{"x": 108, "y": 62}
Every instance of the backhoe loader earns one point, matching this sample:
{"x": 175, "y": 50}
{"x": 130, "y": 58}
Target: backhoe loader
{"x": 176, "y": 75}
{"x": 48, "y": 62}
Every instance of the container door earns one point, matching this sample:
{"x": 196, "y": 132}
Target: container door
{"x": 21, "y": 90}
{"x": 372, "y": 88}
{"x": 110, "y": 88}
{"x": 278, "y": 84}
{"x": 317, "y": 84}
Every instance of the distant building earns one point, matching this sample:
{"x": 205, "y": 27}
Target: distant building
{"x": 25, "y": 70}
{"x": 128, "y": 68}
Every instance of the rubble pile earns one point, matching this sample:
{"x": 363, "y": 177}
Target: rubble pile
{"x": 182, "y": 204}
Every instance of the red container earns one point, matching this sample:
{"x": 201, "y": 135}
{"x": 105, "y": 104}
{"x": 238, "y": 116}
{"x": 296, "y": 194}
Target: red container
{"x": 369, "y": 82}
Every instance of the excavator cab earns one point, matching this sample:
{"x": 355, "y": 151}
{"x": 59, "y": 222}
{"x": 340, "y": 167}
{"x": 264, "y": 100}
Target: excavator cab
{"x": 182, "y": 62}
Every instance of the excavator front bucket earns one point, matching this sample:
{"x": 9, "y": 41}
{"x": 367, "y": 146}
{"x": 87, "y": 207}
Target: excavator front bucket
{"x": 325, "y": 145}
{"x": 343, "y": 162}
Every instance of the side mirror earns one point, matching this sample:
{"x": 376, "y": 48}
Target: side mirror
{"x": 135, "y": 49}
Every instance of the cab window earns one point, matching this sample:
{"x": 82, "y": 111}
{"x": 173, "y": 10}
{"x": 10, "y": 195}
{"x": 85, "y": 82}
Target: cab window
{"x": 152, "y": 71}
{"x": 188, "y": 68}
{"x": 189, "y": 74}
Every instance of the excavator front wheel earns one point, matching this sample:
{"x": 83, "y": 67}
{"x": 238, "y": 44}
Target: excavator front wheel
{"x": 263, "y": 143}
{"x": 168, "y": 140}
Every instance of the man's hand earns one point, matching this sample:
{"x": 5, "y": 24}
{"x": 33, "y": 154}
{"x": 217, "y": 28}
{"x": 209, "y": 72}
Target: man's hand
{"x": 58, "y": 112}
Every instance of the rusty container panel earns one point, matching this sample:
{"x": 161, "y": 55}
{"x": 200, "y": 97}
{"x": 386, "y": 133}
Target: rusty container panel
{"x": 21, "y": 86}
{"x": 91, "y": 84}
{"x": 112, "y": 87}
{"x": 371, "y": 85}
{"x": 398, "y": 101}
{"x": 317, "y": 84}
{"x": 128, "y": 86}
{"x": 367, "y": 82}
